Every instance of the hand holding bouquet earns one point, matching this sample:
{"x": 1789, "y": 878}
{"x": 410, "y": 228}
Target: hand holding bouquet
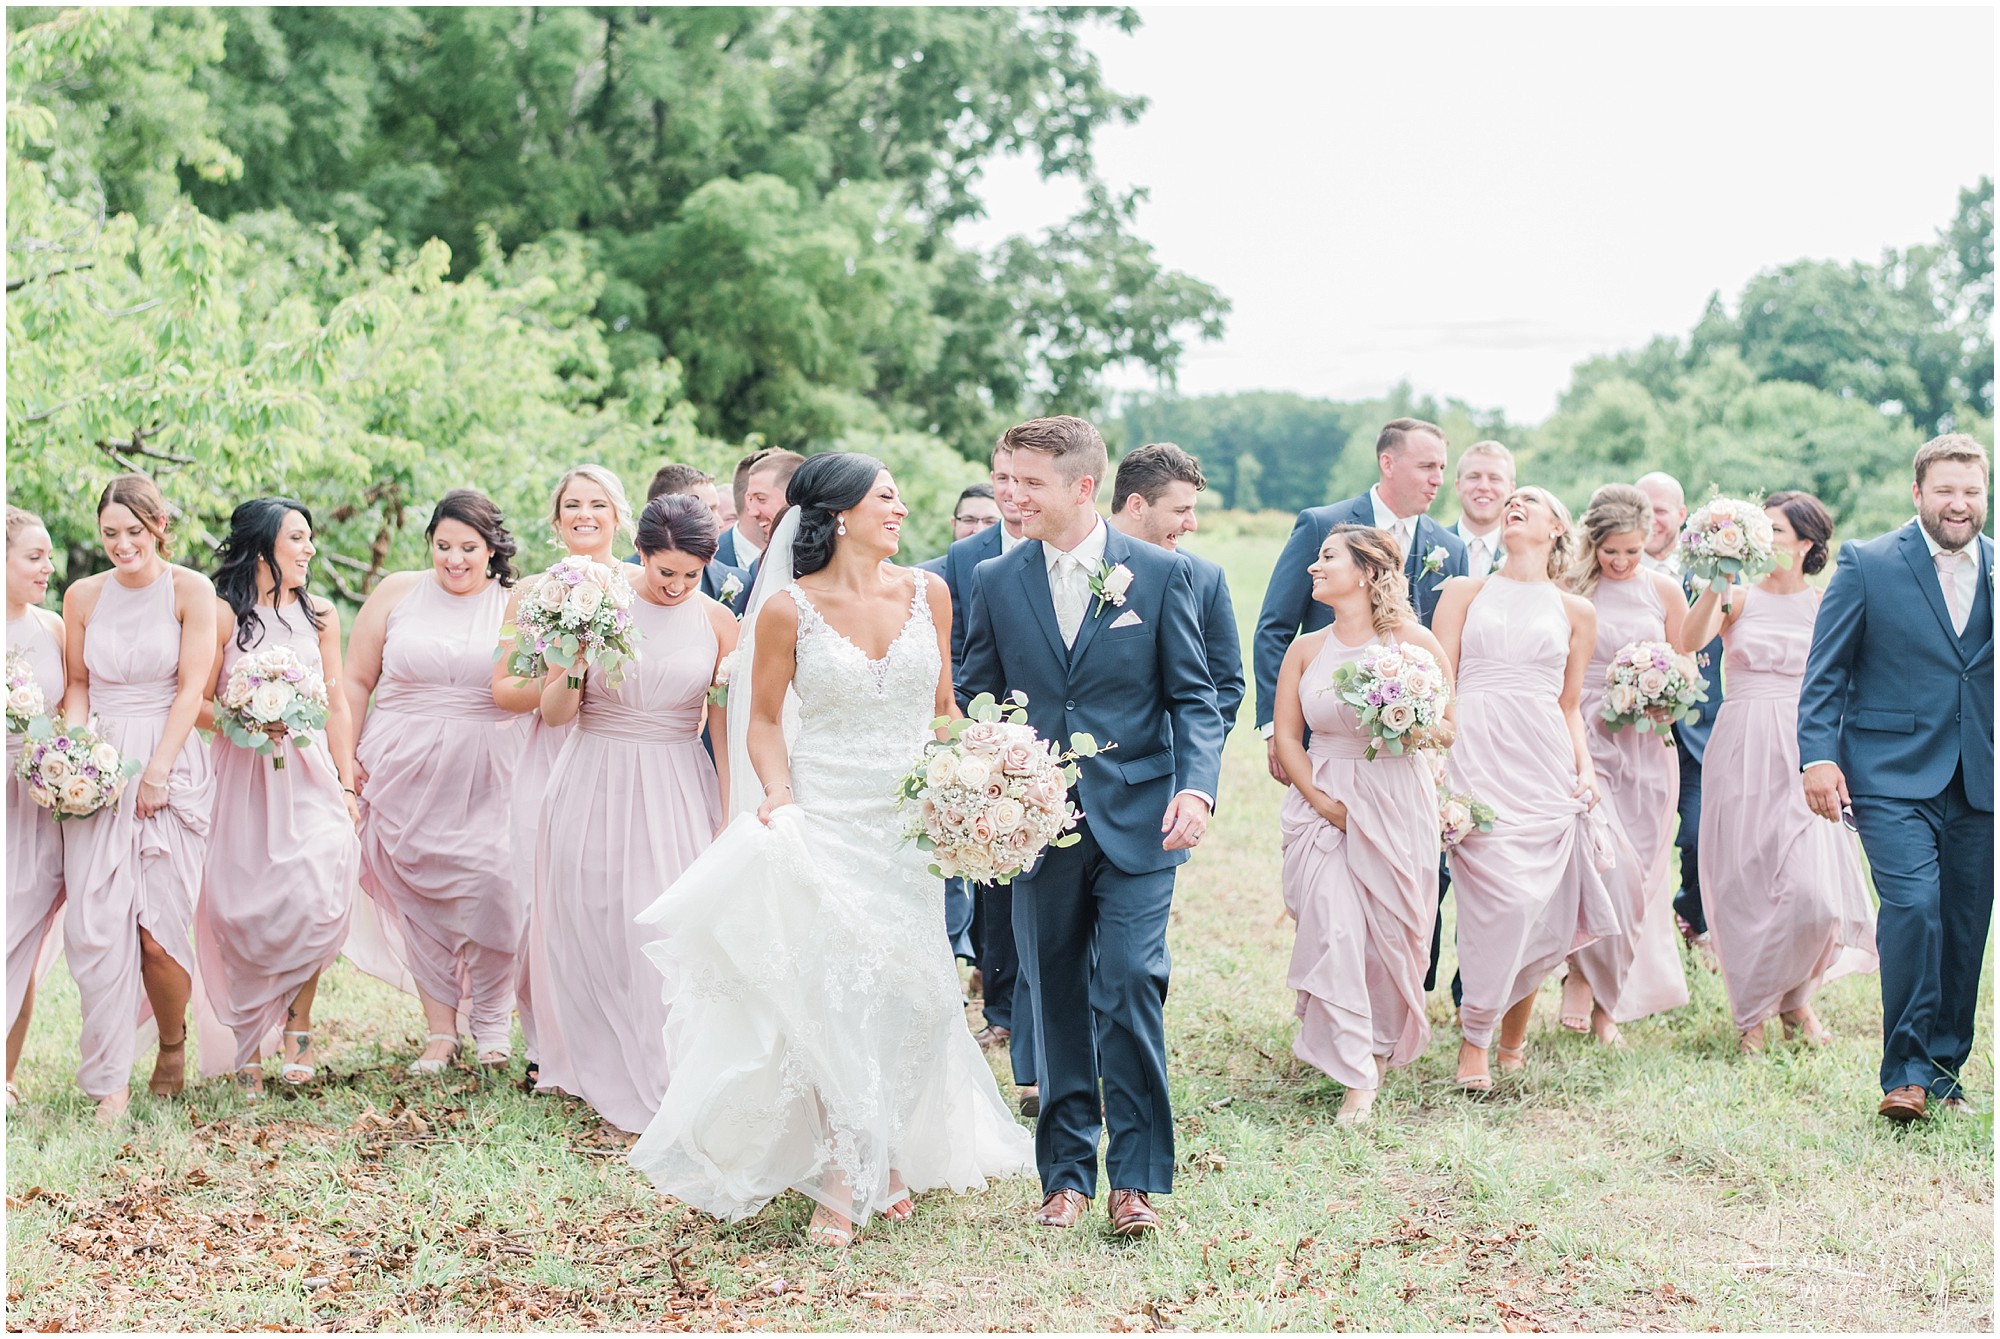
{"x": 1400, "y": 693}
{"x": 1461, "y": 814}
{"x": 574, "y": 616}
{"x": 24, "y": 693}
{"x": 71, "y": 770}
{"x": 270, "y": 694}
{"x": 1726, "y": 539}
{"x": 990, "y": 800}
{"x": 1651, "y": 685}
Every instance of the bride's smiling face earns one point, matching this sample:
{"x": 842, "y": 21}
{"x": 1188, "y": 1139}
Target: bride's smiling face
{"x": 876, "y": 521}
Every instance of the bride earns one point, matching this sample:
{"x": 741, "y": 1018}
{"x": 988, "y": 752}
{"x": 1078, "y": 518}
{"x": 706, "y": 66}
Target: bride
{"x": 815, "y": 1035}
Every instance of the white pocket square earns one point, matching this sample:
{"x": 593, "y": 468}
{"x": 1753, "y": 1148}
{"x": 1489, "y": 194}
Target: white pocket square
{"x": 1129, "y": 619}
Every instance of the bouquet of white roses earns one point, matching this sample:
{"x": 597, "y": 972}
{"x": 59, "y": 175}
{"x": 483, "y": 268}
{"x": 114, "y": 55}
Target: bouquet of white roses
{"x": 267, "y": 687}
{"x": 574, "y": 616}
{"x": 990, "y": 800}
{"x": 24, "y": 693}
{"x": 1726, "y": 539}
{"x": 1461, "y": 814}
{"x": 1400, "y": 693}
{"x": 1651, "y": 685}
{"x": 718, "y": 688}
{"x": 72, "y": 770}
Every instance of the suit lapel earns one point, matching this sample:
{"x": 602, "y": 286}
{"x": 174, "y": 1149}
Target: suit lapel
{"x": 1041, "y": 601}
{"x": 1116, "y": 547}
{"x": 1918, "y": 555}
{"x": 1979, "y": 623}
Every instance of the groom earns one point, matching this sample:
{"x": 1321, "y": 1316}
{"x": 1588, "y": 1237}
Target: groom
{"x": 1103, "y": 635}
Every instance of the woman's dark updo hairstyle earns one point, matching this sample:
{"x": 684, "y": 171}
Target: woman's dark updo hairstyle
{"x": 1811, "y": 522}
{"x": 253, "y": 543}
{"x": 677, "y": 523}
{"x": 469, "y": 506}
{"x": 825, "y": 485}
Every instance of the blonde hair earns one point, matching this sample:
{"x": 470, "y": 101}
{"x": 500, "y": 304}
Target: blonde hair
{"x": 1563, "y": 551}
{"x": 621, "y": 507}
{"x": 138, "y": 494}
{"x": 1375, "y": 553}
{"x": 19, "y": 522}
{"x": 1496, "y": 450}
{"x": 1614, "y": 509}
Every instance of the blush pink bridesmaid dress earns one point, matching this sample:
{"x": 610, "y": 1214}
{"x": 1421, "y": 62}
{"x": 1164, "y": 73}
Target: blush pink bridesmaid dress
{"x": 1530, "y": 892}
{"x": 1365, "y": 899}
{"x": 1638, "y": 972}
{"x": 542, "y": 743}
{"x": 632, "y": 801}
{"x": 436, "y": 847}
{"x": 34, "y": 839}
{"x": 282, "y": 862}
{"x": 1786, "y": 898}
{"x": 124, "y": 874}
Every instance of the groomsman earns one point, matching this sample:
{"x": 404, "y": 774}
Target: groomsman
{"x": 999, "y": 963}
{"x": 719, "y": 580}
{"x": 1896, "y": 725}
{"x": 759, "y": 489}
{"x": 1152, "y": 499}
{"x": 1409, "y": 459}
{"x": 1485, "y": 477}
{"x": 1690, "y": 737}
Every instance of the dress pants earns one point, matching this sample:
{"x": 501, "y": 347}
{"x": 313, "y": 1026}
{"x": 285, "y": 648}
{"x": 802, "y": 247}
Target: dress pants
{"x": 1687, "y": 902}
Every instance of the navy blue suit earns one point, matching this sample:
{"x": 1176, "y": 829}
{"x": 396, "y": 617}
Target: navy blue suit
{"x": 959, "y": 912}
{"x": 1091, "y": 919}
{"x": 1905, "y": 706}
{"x": 1218, "y": 635}
{"x": 1290, "y": 611}
{"x": 959, "y": 560}
{"x": 725, "y": 549}
{"x": 1691, "y": 742}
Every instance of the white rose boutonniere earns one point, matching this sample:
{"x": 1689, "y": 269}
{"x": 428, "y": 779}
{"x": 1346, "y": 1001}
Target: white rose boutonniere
{"x": 731, "y": 588}
{"x": 1109, "y": 585}
{"x": 1433, "y": 561}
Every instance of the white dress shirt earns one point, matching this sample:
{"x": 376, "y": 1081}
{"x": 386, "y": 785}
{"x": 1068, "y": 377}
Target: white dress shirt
{"x": 1482, "y": 552}
{"x": 1404, "y": 528}
{"x": 1008, "y": 539}
{"x": 1089, "y": 556}
{"x": 1965, "y": 577}
{"x": 748, "y": 550}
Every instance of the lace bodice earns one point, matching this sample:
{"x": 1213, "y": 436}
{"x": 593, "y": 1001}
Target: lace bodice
{"x": 862, "y": 722}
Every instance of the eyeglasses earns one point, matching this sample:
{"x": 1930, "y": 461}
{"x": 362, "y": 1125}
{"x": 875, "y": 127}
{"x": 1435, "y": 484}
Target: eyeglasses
{"x": 1847, "y": 820}
{"x": 976, "y": 522}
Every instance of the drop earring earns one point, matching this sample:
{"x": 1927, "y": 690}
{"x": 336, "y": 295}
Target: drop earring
{"x": 840, "y": 526}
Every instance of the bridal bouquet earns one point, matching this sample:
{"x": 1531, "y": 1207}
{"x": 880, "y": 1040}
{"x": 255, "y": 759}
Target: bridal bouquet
{"x": 574, "y": 616}
{"x": 71, "y": 770}
{"x": 1400, "y": 693}
{"x": 1726, "y": 539}
{"x": 1460, "y": 815}
{"x": 24, "y": 693}
{"x": 1651, "y": 685}
{"x": 268, "y": 687}
{"x": 991, "y": 799}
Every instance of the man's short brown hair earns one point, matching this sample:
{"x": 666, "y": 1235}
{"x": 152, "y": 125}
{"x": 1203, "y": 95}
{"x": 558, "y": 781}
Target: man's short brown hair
{"x": 1147, "y": 470}
{"x": 1396, "y": 432}
{"x": 673, "y": 477}
{"x": 1951, "y": 446}
{"x": 786, "y": 463}
{"x": 1078, "y": 448}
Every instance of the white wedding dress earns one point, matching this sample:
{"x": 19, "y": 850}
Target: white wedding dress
{"x": 815, "y": 1038}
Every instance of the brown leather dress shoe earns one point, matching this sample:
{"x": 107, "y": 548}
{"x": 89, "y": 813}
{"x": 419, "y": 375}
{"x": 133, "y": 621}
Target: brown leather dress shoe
{"x": 990, "y": 1036}
{"x": 1031, "y": 1100}
{"x": 1063, "y": 1208}
{"x": 1132, "y": 1214}
{"x": 1903, "y": 1105}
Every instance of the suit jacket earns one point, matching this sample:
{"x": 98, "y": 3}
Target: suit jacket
{"x": 1143, "y": 687}
{"x": 1289, "y": 608}
{"x": 1891, "y": 693}
{"x": 1218, "y": 635}
{"x": 714, "y": 577}
{"x": 959, "y": 560}
{"x": 1694, "y": 734}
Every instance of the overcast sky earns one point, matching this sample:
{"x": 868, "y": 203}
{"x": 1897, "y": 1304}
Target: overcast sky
{"x": 1479, "y": 199}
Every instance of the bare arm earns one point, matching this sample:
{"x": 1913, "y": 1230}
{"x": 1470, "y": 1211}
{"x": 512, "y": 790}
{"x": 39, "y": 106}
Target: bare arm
{"x": 770, "y": 678}
{"x": 1455, "y": 597}
{"x": 340, "y": 723}
{"x": 1288, "y": 728}
{"x": 225, "y": 628}
{"x": 1582, "y": 640}
{"x": 78, "y": 603}
{"x": 194, "y": 597}
{"x": 726, "y": 637}
{"x": 364, "y": 654}
{"x": 940, "y": 602}
{"x": 510, "y": 692}
{"x": 1704, "y": 621}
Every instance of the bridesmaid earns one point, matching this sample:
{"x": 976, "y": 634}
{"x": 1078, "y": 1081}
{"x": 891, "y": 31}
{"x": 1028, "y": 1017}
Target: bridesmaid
{"x": 590, "y": 515}
{"x": 631, "y": 803}
{"x": 139, "y": 643}
{"x": 435, "y": 768}
{"x": 283, "y": 857}
{"x": 34, "y": 839}
{"x": 1789, "y": 907}
{"x": 1529, "y": 892}
{"x": 1360, "y": 837}
{"x": 1639, "y": 972}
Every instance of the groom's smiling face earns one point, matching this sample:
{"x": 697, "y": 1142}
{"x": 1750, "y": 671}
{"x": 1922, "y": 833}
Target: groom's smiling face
{"x": 1051, "y": 506}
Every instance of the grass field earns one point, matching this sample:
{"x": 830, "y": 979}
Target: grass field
{"x": 1671, "y": 1186}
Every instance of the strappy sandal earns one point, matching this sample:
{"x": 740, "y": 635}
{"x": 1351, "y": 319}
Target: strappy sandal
{"x": 901, "y": 1207}
{"x": 112, "y": 1109}
{"x": 1608, "y": 1035}
{"x": 1474, "y": 1083}
{"x": 1576, "y": 1003}
{"x": 160, "y": 1087}
{"x": 1513, "y": 1059}
{"x": 250, "y": 1081}
{"x": 837, "y": 1233}
{"x": 422, "y": 1066}
{"x": 494, "y": 1055}
{"x": 13, "y": 1094}
{"x": 1804, "y": 1023}
{"x": 294, "y": 1072}
{"x": 1750, "y": 1040}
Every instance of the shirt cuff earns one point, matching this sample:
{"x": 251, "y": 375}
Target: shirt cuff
{"x": 1204, "y": 796}
{"x": 1267, "y": 729}
{"x": 1817, "y": 762}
